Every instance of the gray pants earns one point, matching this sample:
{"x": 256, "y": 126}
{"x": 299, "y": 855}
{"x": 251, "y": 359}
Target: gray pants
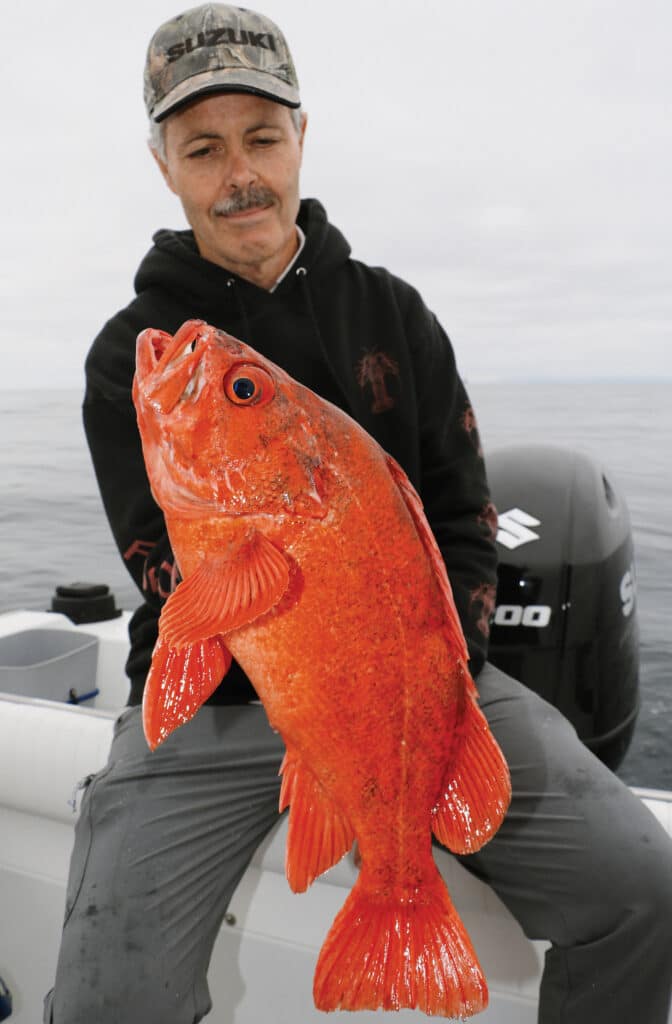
{"x": 163, "y": 840}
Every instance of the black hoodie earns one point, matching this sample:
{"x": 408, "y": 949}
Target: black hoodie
{"x": 356, "y": 335}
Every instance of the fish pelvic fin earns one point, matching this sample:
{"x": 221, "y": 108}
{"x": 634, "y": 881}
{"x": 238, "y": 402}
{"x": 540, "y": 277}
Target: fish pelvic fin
{"x": 179, "y": 681}
{"x": 318, "y": 834}
{"x": 226, "y": 592}
{"x": 476, "y": 788}
{"x": 415, "y": 508}
{"x": 392, "y": 955}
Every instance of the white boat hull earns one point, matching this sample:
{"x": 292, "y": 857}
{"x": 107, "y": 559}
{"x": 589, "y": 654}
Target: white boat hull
{"x": 264, "y": 958}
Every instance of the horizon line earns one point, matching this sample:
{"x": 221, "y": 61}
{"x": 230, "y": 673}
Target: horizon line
{"x": 508, "y": 379}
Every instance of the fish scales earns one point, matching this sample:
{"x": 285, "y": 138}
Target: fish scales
{"x": 305, "y": 555}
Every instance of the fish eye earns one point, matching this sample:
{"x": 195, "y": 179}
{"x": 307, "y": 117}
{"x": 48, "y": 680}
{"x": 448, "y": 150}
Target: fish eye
{"x": 248, "y": 385}
{"x": 243, "y": 388}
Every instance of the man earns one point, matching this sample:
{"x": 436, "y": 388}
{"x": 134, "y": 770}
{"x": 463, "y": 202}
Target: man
{"x": 164, "y": 838}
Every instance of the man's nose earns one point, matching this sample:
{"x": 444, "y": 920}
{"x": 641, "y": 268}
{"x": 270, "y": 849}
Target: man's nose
{"x": 240, "y": 173}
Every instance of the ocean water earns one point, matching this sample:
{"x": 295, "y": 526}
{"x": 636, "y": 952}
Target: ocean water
{"x": 53, "y": 528}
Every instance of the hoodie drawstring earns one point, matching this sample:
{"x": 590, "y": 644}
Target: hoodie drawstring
{"x": 231, "y": 283}
{"x": 302, "y": 276}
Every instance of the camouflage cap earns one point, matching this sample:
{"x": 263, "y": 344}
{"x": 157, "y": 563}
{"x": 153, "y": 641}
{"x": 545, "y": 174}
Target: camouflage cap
{"x": 217, "y": 48}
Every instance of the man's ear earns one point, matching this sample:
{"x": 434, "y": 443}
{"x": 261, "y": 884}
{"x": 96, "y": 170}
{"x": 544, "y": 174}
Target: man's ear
{"x": 302, "y": 131}
{"x": 163, "y": 167}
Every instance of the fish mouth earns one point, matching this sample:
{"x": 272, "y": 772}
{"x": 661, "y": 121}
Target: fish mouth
{"x": 169, "y": 368}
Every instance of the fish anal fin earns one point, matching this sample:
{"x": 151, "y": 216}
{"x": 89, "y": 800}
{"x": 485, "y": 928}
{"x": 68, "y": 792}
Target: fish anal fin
{"x": 414, "y": 505}
{"x": 318, "y": 834}
{"x": 394, "y": 955}
{"x": 476, "y": 789}
{"x": 179, "y": 681}
{"x": 226, "y": 592}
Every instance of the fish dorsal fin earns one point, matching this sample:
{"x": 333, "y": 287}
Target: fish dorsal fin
{"x": 179, "y": 681}
{"x": 476, "y": 789}
{"x": 226, "y": 592}
{"x": 318, "y": 834}
{"x": 416, "y": 510}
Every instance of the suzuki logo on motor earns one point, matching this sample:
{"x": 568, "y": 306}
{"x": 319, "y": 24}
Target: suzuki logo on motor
{"x": 535, "y": 615}
{"x": 628, "y": 591}
{"x": 514, "y": 529}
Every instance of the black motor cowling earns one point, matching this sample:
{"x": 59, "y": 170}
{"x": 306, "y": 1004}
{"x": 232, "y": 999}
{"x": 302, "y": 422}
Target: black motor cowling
{"x": 565, "y": 622}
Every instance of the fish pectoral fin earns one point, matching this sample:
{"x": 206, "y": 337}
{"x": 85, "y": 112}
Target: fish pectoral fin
{"x": 319, "y": 834}
{"x": 190, "y": 657}
{"x": 226, "y": 592}
{"x": 414, "y": 505}
{"x": 476, "y": 789}
{"x": 179, "y": 681}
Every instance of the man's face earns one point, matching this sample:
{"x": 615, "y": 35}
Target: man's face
{"x": 233, "y": 159}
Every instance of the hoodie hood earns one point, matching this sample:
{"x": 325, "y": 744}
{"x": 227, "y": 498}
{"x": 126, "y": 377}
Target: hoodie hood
{"x": 174, "y": 283}
{"x": 174, "y": 264}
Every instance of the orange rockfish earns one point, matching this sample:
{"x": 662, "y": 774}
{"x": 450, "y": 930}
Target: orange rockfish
{"x": 305, "y": 554}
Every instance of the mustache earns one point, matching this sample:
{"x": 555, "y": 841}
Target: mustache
{"x": 240, "y": 201}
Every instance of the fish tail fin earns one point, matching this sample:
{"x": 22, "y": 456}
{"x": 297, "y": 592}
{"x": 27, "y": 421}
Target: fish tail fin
{"x": 391, "y": 955}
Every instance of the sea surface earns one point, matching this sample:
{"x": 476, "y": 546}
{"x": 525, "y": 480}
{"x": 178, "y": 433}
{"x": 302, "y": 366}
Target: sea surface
{"x": 53, "y": 529}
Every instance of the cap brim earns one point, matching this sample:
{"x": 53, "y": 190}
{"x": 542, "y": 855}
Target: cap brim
{"x": 223, "y": 80}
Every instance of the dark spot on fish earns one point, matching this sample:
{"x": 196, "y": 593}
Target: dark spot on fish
{"x": 91, "y": 910}
{"x": 369, "y": 790}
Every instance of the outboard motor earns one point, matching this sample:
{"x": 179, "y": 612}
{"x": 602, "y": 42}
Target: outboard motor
{"x": 565, "y": 623}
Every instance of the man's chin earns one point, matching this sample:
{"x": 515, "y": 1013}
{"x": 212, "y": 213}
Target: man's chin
{"x": 258, "y": 250}
{"x": 248, "y": 255}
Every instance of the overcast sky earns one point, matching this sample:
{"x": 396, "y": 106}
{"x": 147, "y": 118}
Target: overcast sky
{"x": 510, "y": 158}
